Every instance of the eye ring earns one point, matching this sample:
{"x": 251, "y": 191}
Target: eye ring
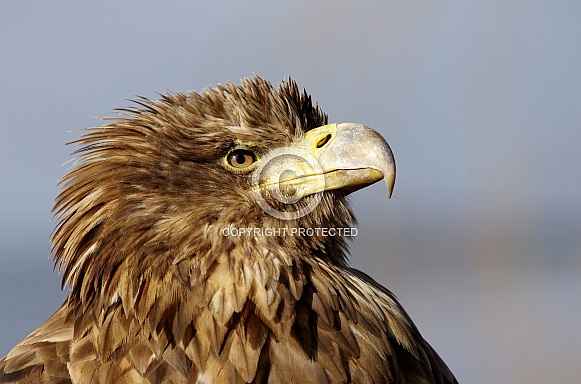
{"x": 240, "y": 158}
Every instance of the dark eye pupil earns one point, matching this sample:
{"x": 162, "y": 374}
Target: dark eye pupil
{"x": 240, "y": 158}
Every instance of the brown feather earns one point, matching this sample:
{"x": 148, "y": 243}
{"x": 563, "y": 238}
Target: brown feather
{"x": 159, "y": 295}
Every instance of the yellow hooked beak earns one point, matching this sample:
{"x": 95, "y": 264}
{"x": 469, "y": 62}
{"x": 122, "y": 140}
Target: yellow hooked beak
{"x": 346, "y": 156}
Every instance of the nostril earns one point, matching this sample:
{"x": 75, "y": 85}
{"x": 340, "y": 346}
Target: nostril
{"x": 324, "y": 140}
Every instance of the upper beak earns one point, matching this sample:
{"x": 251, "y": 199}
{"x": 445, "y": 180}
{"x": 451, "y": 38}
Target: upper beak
{"x": 346, "y": 156}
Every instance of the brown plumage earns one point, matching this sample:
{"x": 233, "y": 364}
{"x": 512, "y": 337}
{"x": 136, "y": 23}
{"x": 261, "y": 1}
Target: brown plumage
{"x": 159, "y": 293}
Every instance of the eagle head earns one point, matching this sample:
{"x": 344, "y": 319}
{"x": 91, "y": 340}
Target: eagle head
{"x": 191, "y": 176}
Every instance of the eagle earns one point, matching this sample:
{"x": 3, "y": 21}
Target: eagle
{"x": 203, "y": 239}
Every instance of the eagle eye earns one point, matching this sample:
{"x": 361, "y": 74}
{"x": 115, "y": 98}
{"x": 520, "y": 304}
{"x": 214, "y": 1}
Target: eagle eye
{"x": 241, "y": 158}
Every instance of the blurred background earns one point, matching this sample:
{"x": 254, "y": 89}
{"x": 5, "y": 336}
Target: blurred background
{"x": 480, "y": 101}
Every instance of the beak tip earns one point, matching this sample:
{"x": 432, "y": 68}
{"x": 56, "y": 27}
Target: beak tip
{"x": 390, "y": 181}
